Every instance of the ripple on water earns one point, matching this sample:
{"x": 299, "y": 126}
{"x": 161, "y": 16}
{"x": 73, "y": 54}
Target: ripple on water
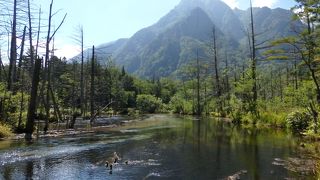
{"x": 129, "y": 131}
{"x": 31, "y": 154}
{"x": 149, "y": 162}
{"x": 153, "y": 174}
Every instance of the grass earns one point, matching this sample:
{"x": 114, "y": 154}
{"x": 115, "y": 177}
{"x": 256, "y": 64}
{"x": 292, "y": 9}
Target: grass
{"x": 5, "y": 131}
{"x": 274, "y": 119}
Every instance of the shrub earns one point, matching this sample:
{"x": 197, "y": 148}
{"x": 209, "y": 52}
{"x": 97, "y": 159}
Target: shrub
{"x": 179, "y": 105}
{"x": 299, "y": 121}
{"x": 5, "y": 131}
{"x": 273, "y": 119}
{"x": 132, "y": 112}
{"x": 148, "y": 103}
{"x": 236, "y": 110}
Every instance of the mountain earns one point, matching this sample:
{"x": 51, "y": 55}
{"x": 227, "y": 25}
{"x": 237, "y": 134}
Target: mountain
{"x": 268, "y": 22}
{"x": 165, "y": 46}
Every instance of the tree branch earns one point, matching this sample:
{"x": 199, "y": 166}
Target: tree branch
{"x": 58, "y": 27}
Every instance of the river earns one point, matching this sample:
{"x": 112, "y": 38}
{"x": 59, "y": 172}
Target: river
{"x": 157, "y": 147}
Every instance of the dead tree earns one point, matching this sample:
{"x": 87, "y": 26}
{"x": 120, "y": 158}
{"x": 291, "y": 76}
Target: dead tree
{"x": 79, "y": 39}
{"x": 35, "y": 83}
{"x": 20, "y": 77}
{"x": 13, "y": 49}
{"x": 92, "y": 87}
{"x": 216, "y": 68}
{"x": 36, "y": 74}
{"x": 198, "y": 86}
{"x": 47, "y": 64}
{"x": 21, "y": 53}
{"x": 253, "y": 58}
{"x": 82, "y": 75}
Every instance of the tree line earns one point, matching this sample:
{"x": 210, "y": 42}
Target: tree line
{"x": 274, "y": 82}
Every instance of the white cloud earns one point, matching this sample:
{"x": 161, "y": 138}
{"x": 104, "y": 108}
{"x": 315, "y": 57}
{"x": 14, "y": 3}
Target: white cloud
{"x": 65, "y": 49}
{"x": 232, "y": 3}
{"x": 263, "y": 3}
{"x": 68, "y": 51}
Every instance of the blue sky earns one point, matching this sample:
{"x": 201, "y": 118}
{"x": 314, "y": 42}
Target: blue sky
{"x": 109, "y": 20}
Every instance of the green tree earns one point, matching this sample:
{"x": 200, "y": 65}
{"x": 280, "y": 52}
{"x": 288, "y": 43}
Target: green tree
{"x": 148, "y": 103}
{"x": 306, "y": 42}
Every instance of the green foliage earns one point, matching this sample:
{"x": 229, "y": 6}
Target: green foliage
{"x": 10, "y": 104}
{"x": 299, "y": 97}
{"x": 236, "y": 109}
{"x": 5, "y": 131}
{"x": 273, "y": 119}
{"x": 278, "y": 58}
{"x": 243, "y": 91}
{"x": 149, "y": 103}
{"x": 299, "y": 121}
{"x": 132, "y": 112}
{"x": 180, "y": 105}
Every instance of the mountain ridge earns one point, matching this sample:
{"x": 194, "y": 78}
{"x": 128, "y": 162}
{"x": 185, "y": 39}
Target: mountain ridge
{"x": 161, "y": 48}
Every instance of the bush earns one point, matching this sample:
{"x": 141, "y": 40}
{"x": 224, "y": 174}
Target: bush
{"x": 299, "y": 121}
{"x": 5, "y": 131}
{"x": 180, "y": 105}
{"x": 236, "y": 110}
{"x": 132, "y": 112}
{"x": 274, "y": 119}
{"x": 148, "y": 103}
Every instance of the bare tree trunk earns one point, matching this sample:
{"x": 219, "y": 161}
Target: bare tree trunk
{"x": 47, "y": 63}
{"x": 82, "y": 76}
{"x": 38, "y": 35}
{"x": 21, "y": 101}
{"x": 13, "y": 51}
{"x": 254, "y": 64}
{"x": 33, "y": 100}
{"x": 35, "y": 82}
{"x": 21, "y": 53}
{"x": 20, "y": 77}
{"x": 295, "y": 75}
{"x": 74, "y": 116}
{"x": 218, "y": 90}
{"x": 271, "y": 84}
{"x": 198, "y": 86}
{"x": 253, "y": 57}
{"x": 280, "y": 85}
{"x": 47, "y": 75}
{"x": 287, "y": 75}
{"x": 92, "y": 87}
{"x": 55, "y": 105}
{"x": 235, "y": 73}
{"x": 227, "y": 79}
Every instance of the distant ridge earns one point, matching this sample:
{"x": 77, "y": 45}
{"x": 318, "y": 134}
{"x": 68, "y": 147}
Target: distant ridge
{"x": 161, "y": 49}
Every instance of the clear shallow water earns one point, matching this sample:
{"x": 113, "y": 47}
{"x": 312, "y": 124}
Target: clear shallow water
{"x": 158, "y": 147}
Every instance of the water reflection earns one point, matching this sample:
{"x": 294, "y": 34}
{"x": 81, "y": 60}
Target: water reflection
{"x": 216, "y": 149}
{"x": 29, "y": 170}
{"x": 162, "y": 146}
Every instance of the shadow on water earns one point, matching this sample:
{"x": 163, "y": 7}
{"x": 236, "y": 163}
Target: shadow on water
{"x": 159, "y": 147}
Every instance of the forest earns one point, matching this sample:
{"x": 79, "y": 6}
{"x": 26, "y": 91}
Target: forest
{"x": 276, "y": 84}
